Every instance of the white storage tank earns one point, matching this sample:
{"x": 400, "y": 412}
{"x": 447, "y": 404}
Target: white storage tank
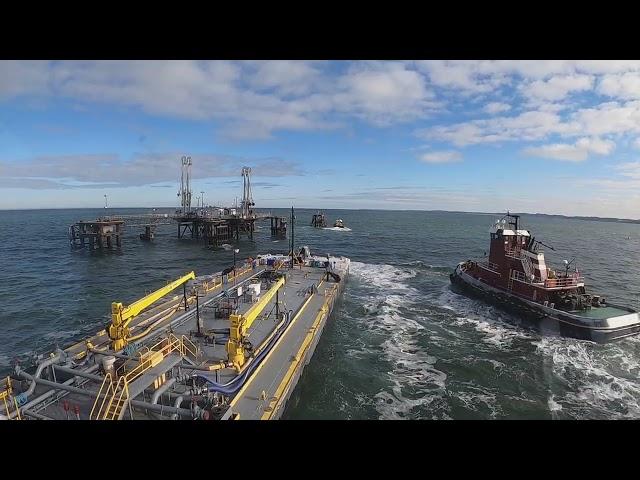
{"x": 107, "y": 364}
{"x": 254, "y": 288}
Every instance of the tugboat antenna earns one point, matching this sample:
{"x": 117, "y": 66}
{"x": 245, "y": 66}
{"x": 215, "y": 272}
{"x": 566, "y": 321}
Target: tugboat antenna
{"x": 515, "y": 217}
{"x": 545, "y": 245}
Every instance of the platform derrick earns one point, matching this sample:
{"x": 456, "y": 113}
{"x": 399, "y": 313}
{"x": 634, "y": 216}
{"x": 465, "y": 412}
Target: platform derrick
{"x": 216, "y": 225}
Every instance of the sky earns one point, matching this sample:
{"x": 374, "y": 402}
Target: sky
{"x": 558, "y": 137}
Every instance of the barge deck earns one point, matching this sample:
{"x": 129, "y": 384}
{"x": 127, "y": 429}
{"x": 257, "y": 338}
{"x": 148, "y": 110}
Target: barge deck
{"x": 225, "y": 348}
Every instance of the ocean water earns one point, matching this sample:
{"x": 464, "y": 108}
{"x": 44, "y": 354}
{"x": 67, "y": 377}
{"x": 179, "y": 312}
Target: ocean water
{"x": 400, "y": 344}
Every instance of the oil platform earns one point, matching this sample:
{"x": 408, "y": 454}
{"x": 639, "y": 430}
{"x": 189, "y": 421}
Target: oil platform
{"x": 211, "y": 224}
{"x": 215, "y": 225}
{"x": 101, "y": 233}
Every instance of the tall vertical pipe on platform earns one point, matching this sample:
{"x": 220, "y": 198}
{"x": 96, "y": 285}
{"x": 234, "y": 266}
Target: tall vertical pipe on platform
{"x": 185, "y": 185}
{"x": 247, "y": 198}
{"x": 292, "y": 238}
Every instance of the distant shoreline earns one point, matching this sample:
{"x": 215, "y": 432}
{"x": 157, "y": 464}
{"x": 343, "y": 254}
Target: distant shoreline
{"x": 550, "y": 215}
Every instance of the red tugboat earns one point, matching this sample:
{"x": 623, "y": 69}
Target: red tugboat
{"x": 517, "y": 278}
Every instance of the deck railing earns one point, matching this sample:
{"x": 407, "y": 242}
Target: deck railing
{"x": 6, "y": 396}
{"x": 522, "y": 277}
{"x": 116, "y": 395}
{"x": 512, "y": 252}
{"x": 562, "y": 282}
{"x": 489, "y": 266}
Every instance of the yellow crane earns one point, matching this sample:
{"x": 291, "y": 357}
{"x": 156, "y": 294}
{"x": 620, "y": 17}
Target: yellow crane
{"x": 122, "y": 316}
{"x": 241, "y": 323}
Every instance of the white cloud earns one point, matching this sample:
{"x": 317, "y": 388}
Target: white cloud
{"x": 625, "y": 86}
{"x": 383, "y": 93}
{"x": 480, "y": 76}
{"x": 496, "y": 107}
{"x": 251, "y": 99}
{"x": 577, "y": 152}
{"x": 98, "y": 171}
{"x": 636, "y": 143}
{"x": 629, "y": 169}
{"x": 441, "y": 157}
{"x": 557, "y": 87}
{"x": 466, "y": 76}
{"x": 22, "y": 77}
{"x": 288, "y": 77}
{"x": 532, "y": 125}
{"x": 609, "y": 118}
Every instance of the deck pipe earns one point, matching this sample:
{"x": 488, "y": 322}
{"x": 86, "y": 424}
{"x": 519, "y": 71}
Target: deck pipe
{"x": 189, "y": 313}
{"x": 163, "y": 388}
{"x": 39, "y": 416}
{"x": 49, "y": 393}
{"x": 66, "y": 385}
{"x": 111, "y": 353}
{"x": 236, "y": 383}
{"x": 177, "y": 404}
{"x": 41, "y": 366}
{"x": 72, "y": 371}
{"x": 90, "y": 393}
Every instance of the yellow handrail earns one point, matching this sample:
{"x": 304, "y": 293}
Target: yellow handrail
{"x": 299, "y": 356}
{"x": 240, "y": 272}
{"x": 144, "y": 350}
{"x": 15, "y": 402}
{"x": 109, "y": 386}
{"x": 189, "y": 347}
{"x": 119, "y": 395}
{"x": 124, "y": 392}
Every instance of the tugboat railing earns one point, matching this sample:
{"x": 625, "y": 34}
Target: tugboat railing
{"x": 522, "y": 277}
{"x": 561, "y": 282}
{"x": 489, "y": 266}
{"x": 512, "y": 252}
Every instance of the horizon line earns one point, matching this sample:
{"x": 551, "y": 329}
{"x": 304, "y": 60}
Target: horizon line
{"x": 355, "y": 209}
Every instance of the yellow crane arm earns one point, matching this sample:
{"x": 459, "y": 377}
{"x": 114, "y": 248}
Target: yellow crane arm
{"x": 121, "y": 316}
{"x": 241, "y": 323}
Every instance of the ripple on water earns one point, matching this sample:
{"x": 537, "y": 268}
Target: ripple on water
{"x": 591, "y": 380}
{"x": 415, "y": 382}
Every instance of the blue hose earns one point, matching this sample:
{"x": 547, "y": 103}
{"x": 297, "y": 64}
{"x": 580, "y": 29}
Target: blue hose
{"x": 237, "y": 382}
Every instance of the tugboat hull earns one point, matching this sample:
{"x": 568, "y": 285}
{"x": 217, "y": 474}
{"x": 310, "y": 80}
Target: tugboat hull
{"x": 551, "y": 320}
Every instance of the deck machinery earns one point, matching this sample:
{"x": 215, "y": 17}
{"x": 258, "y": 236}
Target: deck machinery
{"x": 221, "y": 346}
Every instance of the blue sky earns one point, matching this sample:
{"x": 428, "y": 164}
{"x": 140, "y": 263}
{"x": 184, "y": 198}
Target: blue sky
{"x": 537, "y": 136}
